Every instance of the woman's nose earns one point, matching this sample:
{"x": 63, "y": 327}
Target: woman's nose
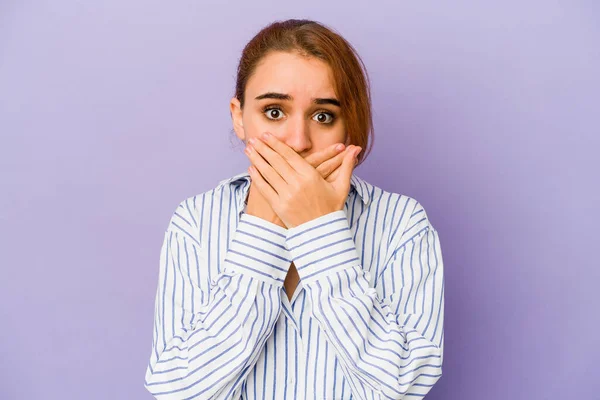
{"x": 297, "y": 135}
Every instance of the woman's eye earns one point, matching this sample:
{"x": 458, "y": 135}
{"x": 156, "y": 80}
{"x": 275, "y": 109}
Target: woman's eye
{"x": 322, "y": 118}
{"x": 273, "y": 113}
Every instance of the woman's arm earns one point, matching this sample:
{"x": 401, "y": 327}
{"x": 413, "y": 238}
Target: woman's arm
{"x": 391, "y": 347}
{"x": 206, "y": 340}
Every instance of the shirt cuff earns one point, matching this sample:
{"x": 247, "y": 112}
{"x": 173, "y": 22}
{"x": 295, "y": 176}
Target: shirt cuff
{"x": 258, "y": 249}
{"x": 322, "y": 246}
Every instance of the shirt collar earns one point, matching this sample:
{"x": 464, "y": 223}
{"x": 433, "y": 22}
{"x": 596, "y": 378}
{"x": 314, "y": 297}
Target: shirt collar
{"x": 357, "y": 184}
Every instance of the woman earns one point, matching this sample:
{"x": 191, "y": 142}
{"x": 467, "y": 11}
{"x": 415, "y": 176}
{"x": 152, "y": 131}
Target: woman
{"x": 298, "y": 279}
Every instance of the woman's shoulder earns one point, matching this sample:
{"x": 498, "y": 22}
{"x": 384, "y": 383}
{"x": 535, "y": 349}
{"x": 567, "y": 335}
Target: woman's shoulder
{"x": 378, "y": 196}
{"x": 189, "y": 213}
{"x": 405, "y": 212}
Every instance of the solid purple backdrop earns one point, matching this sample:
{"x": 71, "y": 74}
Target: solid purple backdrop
{"x": 111, "y": 113}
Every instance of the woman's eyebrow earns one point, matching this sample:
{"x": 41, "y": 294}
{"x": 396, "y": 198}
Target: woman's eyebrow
{"x": 287, "y": 97}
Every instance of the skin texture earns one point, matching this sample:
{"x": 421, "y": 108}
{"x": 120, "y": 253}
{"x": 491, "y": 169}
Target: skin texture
{"x": 298, "y": 174}
{"x": 294, "y": 189}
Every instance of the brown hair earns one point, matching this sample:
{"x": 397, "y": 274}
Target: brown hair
{"x": 311, "y": 38}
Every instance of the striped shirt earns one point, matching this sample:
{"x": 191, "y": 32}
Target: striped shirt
{"x": 365, "y": 321}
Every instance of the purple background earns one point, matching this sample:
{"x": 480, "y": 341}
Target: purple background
{"x": 112, "y": 113}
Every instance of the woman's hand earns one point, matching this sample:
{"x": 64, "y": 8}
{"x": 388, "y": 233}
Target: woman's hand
{"x": 295, "y": 190}
{"x": 326, "y": 162}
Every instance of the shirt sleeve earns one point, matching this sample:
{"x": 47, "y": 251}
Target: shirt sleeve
{"x": 388, "y": 346}
{"x": 207, "y": 337}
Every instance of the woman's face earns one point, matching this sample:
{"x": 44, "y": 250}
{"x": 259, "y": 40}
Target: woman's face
{"x": 293, "y": 98}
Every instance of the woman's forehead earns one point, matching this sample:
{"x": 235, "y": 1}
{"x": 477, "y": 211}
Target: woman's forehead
{"x": 297, "y": 76}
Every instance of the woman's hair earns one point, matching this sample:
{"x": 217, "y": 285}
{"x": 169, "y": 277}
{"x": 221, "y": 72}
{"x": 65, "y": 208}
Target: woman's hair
{"x": 313, "y": 39}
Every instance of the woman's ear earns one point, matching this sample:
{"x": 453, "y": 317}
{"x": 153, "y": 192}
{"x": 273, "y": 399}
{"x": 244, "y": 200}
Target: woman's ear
{"x": 236, "y": 116}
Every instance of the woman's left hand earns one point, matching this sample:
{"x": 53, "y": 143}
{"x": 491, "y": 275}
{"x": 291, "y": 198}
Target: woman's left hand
{"x": 294, "y": 188}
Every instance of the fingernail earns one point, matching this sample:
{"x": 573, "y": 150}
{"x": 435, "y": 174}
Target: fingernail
{"x": 339, "y": 147}
{"x": 358, "y": 150}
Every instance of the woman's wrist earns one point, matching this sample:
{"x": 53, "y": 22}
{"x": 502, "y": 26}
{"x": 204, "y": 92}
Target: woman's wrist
{"x": 272, "y": 218}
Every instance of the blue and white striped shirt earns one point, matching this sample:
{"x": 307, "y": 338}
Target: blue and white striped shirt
{"x": 365, "y": 321}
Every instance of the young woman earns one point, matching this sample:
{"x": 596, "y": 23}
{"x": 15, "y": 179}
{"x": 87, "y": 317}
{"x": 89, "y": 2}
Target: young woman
{"x": 298, "y": 279}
